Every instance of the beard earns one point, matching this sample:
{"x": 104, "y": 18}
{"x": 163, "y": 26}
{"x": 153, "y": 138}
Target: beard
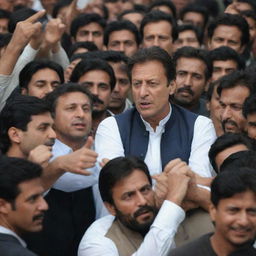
{"x": 130, "y": 221}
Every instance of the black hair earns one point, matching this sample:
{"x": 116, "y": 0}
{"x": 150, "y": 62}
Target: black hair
{"x": 228, "y": 19}
{"x": 239, "y": 159}
{"x": 90, "y": 46}
{"x": 121, "y": 25}
{"x": 211, "y": 87}
{"x": 34, "y": 66}
{"x": 249, "y": 106}
{"x": 5, "y": 39}
{"x": 198, "y": 33}
{"x": 17, "y": 113}
{"x": 167, "y": 3}
{"x": 195, "y": 8}
{"x": 236, "y": 78}
{"x": 57, "y": 7}
{"x": 116, "y": 170}
{"x": 191, "y": 52}
{"x": 52, "y": 97}
{"x": 115, "y": 56}
{"x": 225, "y": 141}
{"x": 14, "y": 171}
{"x": 90, "y": 64}
{"x": 225, "y": 53}
{"x": 85, "y": 19}
{"x": 156, "y": 16}
{"x": 4, "y": 14}
{"x": 153, "y": 54}
{"x": 227, "y": 184}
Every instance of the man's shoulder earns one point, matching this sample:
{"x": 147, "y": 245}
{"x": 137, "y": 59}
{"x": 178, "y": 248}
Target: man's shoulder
{"x": 200, "y": 247}
{"x": 10, "y": 246}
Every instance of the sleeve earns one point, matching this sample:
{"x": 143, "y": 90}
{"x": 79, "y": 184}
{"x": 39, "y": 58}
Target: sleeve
{"x": 61, "y": 58}
{"x": 158, "y": 241}
{"x": 204, "y": 136}
{"x": 108, "y": 137}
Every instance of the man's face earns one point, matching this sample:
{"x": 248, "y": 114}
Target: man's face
{"x": 123, "y": 41}
{"x": 135, "y": 18}
{"x": 222, "y": 68}
{"x": 91, "y": 32}
{"x": 134, "y": 203}
{"x": 73, "y": 117}
{"x": 235, "y": 219}
{"x": 187, "y": 38}
{"x": 231, "y": 101}
{"x": 26, "y": 213}
{"x": 194, "y": 18}
{"x": 98, "y": 82}
{"x": 251, "y": 125}
{"x": 224, "y": 154}
{"x": 252, "y": 27}
{"x": 151, "y": 90}
{"x": 225, "y": 35}
{"x": 42, "y": 82}
{"x": 119, "y": 94}
{"x": 39, "y": 132}
{"x": 190, "y": 80}
{"x": 3, "y": 26}
{"x": 158, "y": 34}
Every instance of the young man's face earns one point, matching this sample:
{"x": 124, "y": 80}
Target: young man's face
{"x": 231, "y": 101}
{"x": 235, "y": 219}
{"x": 42, "y": 82}
{"x": 134, "y": 202}
{"x": 39, "y": 132}
{"x": 123, "y": 41}
{"x": 194, "y": 18}
{"x": 91, "y": 32}
{"x": 26, "y": 213}
{"x": 98, "y": 83}
{"x": 158, "y": 34}
{"x": 186, "y": 38}
{"x": 251, "y": 125}
{"x": 224, "y": 35}
{"x": 222, "y": 68}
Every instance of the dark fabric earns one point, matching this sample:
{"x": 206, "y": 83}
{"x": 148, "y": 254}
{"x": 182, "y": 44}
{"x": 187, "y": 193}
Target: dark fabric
{"x": 198, "y": 247}
{"x": 10, "y": 246}
{"x": 201, "y": 109}
{"x": 175, "y": 142}
{"x": 66, "y": 221}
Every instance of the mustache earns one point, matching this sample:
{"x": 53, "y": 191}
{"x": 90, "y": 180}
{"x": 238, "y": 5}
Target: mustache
{"x": 49, "y": 142}
{"x": 143, "y": 209}
{"x": 186, "y": 89}
{"x": 95, "y": 99}
{"x": 38, "y": 217}
{"x": 228, "y": 121}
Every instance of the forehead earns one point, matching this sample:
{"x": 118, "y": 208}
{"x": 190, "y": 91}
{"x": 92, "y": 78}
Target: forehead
{"x": 225, "y": 63}
{"x": 227, "y": 31}
{"x": 187, "y": 33}
{"x": 148, "y": 70}
{"x": 72, "y": 98}
{"x": 96, "y": 76}
{"x": 191, "y": 64}
{"x": 162, "y": 26}
{"x": 136, "y": 180}
{"x": 44, "y": 74}
{"x": 237, "y": 94}
{"x": 121, "y": 35}
{"x": 193, "y": 16}
{"x": 119, "y": 67}
{"x": 93, "y": 26}
{"x": 30, "y": 187}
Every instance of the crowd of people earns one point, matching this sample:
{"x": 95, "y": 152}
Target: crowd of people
{"x": 127, "y": 127}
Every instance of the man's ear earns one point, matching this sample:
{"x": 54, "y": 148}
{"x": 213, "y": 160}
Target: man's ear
{"x": 5, "y": 206}
{"x": 15, "y": 134}
{"x": 24, "y": 91}
{"x": 111, "y": 208}
{"x": 172, "y": 86}
{"x": 212, "y": 212}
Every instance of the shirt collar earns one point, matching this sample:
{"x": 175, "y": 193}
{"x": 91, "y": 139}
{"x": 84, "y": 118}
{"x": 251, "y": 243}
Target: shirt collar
{"x": 161, "y": 124}
{"x": 7, "y": 231}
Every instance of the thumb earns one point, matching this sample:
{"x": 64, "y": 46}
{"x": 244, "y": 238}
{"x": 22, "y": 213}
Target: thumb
{"x": 89, "y": 142}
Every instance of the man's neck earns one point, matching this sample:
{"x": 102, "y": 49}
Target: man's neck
{"x": 73, "y": 144}
{"x": 220, "y": 246}
{"x": 14, "y": 151}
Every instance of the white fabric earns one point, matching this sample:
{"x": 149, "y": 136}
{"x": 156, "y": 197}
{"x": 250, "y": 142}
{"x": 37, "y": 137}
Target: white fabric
{"x": 7, "y": 231}
{"x": 158, "y": 241}
{"x": 109, "y": 145}
{"x": 70, "y": 182}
